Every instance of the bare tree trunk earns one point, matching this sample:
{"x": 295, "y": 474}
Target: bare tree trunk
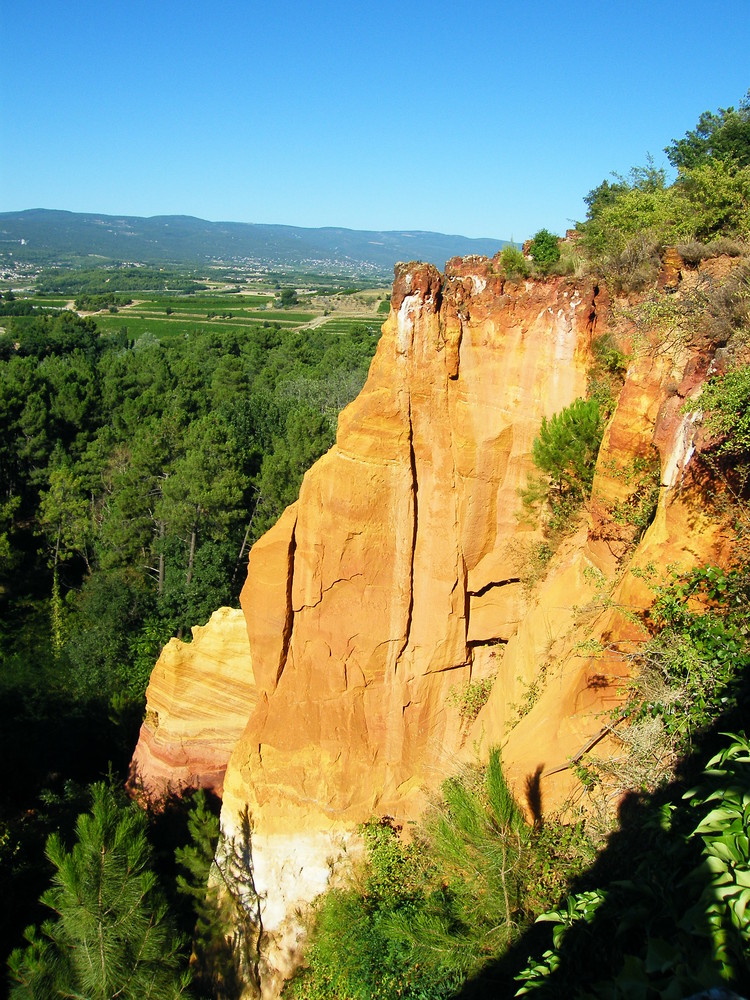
{"x": 160, "y": 585}
{"x": 191, "y": 558}
{"x": 245, "y": 540}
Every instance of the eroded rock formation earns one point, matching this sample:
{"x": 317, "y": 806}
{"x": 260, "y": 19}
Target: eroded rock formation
{"x": 402, "y": 573}
{"x": 198, "y": 701}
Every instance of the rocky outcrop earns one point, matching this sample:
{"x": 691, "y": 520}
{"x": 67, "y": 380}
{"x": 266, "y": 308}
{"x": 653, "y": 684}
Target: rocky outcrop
{"x": 198, "y": 701}
{"x": 395, "y": 577}
{"x": 366, "y": 601}
{"x": 403, "y": 573}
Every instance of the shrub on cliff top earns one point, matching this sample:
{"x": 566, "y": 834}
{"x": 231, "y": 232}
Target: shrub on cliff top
{"x": 513, "y": 262}
{"x": 545, "y": 250}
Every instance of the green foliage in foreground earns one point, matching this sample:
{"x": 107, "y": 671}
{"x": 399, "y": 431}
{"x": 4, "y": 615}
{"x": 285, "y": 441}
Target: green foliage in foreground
{"x": 112, "y": 936}
{"x": 420, "y": 918}
{"x": 678, "y": 924}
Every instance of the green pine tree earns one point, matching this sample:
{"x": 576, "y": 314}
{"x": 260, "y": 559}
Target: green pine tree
{"x": 112, "y": 936}
{"x": 566, "y": 448}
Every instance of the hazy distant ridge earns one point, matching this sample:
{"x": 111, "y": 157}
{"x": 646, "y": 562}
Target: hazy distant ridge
{"x": 184, "y": 239}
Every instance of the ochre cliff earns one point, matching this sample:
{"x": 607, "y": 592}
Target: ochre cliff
{"x": 402, "y": 573}
{"x": 366, "y": 601}
{"x": 198, "y": 701}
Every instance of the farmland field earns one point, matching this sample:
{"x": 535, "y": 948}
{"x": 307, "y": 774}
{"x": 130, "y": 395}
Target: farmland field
{"x": 345, "y": 324}
{"x": 166, "y": 326}
{"x": 166, "y": 315}
{"x": 51, "y": 301}
{"x": 203, "y": 303}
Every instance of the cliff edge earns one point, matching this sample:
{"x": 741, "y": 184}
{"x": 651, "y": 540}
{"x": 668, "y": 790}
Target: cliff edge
{"x": 401, "y": 575}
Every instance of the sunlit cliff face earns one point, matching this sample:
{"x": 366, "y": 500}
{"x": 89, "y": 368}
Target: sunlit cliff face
{"x": 401, "y": 574}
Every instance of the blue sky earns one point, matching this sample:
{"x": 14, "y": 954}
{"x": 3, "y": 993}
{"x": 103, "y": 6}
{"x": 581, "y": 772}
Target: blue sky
{"x": 485, "y": 119}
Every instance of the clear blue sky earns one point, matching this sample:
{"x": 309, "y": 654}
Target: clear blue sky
{"x": 484, "y": 119}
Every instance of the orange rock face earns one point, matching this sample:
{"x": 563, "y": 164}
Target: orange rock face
{"x": 365, "y": 602}
{"x": 402, "y": 573}
{"x": 198, "y": 701}
{"x": 391, "y": 581}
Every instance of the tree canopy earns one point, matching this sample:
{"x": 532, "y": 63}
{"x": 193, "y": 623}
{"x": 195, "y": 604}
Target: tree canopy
{"x": 719, "y": 135}
{"x": 111, "y": 936}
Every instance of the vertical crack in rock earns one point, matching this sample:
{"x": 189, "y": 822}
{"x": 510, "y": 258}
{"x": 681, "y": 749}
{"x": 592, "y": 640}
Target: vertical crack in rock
{"x": 289, "y": 617}
{"x": 415, "y": 501}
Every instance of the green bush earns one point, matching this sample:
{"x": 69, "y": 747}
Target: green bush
{"x": 544, "y": 250}
{"x": 565, "y": 452}
{"x": 354, "y": 952}
{"x": 513, "y": 262}
{"x": 642, "y": 208}
{"x": 726, "y": 401}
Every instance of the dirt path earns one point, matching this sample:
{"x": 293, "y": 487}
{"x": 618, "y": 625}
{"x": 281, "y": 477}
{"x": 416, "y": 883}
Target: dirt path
{"x": 313, "y": 324}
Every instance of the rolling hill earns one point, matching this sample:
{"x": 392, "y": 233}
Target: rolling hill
{"x": 46, "y": 236}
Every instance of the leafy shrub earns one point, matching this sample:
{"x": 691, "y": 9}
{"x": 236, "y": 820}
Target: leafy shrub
{"x": 698, "y": 650}
{"x": 642, "y": 477}
{"x": 544, "y": 249}
{"x": 726, "y": 400}
{"x": 641, "y": 205}
{"x": 470, "y": 698}
{"x": 513, "y": 262}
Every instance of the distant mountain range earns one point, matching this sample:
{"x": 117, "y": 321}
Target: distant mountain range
{"x": 45, "y": 236}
